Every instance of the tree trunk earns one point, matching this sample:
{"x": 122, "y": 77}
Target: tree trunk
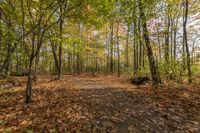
{"x": 166, "y": 49}
{"x": 118, "y": 52}
{"x": 29, "y": 82}
{"x": 127, "y": 47}
{"x": 153, "y": 67}
{"x": 186, "y": 43}
{"x": 135, "y": 48}
{"x": 73, "y": 60}
{"x": 141, "y": 47}
{"x": 78, "y": 64}
{"x": 159, "y": 43}
{"x": 69, "y": 62}
{"x": 107, "y": 53}
{"x": 60, "y": 47}
{"x": 183, "y": 52}
{"x": 171, "y": 36}
{"x": 36, "y": 66}
{"x": 111, "y": 48}
{"x": 1, "y": 35}
{"x": 54, "y": 50}
{"x": 175, "y": 32}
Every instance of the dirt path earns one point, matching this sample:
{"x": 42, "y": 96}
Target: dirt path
{"x": 122, "y": 108}
{"x": 100, "y": 104}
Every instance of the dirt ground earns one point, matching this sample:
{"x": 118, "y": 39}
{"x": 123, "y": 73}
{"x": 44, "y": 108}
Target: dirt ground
{"x": 102, "y": 104}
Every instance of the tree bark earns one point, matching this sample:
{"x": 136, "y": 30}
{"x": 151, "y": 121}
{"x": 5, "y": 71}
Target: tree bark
{"x": 183, "y": 52}
{"x": 60, "y": 47}
{"x": 29, "y": 82}
{"x": 186, "y": 43}
{"x": 54, "y": 50}
{"x": 141, "y": 47}
{"x": 152, "y": 63}
{"x": 1, "y": 34}
{"x": 78, "y": 64}
{"x": 166, "y": 49}
{"x": 171, "y": 38}
{"x": 111, "y": 47}
{"x": 118, "y": 52}
{"x": 159, "y": 44}
{"x": 175, "y": 33}
{"x": 69, "y": 62}
{"x": 135, "y": 48}
{"x": 127, "y": 47}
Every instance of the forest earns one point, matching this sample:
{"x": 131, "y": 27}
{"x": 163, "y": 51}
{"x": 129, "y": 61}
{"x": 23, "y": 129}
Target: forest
{"x": 100, "y": 66}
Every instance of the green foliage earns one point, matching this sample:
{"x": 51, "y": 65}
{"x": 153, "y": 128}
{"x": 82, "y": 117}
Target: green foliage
{"x": 29, "y": 131}
{"x": 86, "y": 30}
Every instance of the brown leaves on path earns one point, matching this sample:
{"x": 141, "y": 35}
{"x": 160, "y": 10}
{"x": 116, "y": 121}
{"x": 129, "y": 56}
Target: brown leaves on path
{"x": 100, "y": 104}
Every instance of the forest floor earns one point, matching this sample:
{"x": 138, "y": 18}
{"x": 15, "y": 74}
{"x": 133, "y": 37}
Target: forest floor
{"x": 100, "y": 104}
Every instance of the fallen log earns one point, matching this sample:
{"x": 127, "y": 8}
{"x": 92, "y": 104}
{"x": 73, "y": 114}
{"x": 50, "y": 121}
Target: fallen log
{"x": 140, "y": 80}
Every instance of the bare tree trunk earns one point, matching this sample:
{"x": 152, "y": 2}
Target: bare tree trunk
{"x": 73, "y": 58}
{"x": 136, "y": 22}
{"x": 118, "y": 52}
{"x": 186, "y": 43}
{"x": 111, "y": 48}
{"x": 32, "y": 55}
{"x": 171, "y": 38}
{"x": 135, "y": 46}
{"x": 183, "y": 54}
{"x": 141, "y": 47}
{"x": 60, "y": 47}
{"x": 30, "y": 72}
{"x": 1, "y": 37}
{"x": 175, "y": 32}
{"x": 152, "y": 63}
{"x": 107, "y": 54}
{"x": 36, "y": 64}
{"x": 29, "y": 83}
{"x": 17, "y": 63}
{"x": 69, "y": 62}
{"x": 159, "y": 44}
{"x": 36, "y": 67}
{"x": 54, "y": 50}
{"x": 127, "y": 47}
{"x": 167, "y": 46}
{"x": 78, "y": 64}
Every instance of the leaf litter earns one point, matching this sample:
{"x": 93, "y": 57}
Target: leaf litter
{"x": 100, "y": 104}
